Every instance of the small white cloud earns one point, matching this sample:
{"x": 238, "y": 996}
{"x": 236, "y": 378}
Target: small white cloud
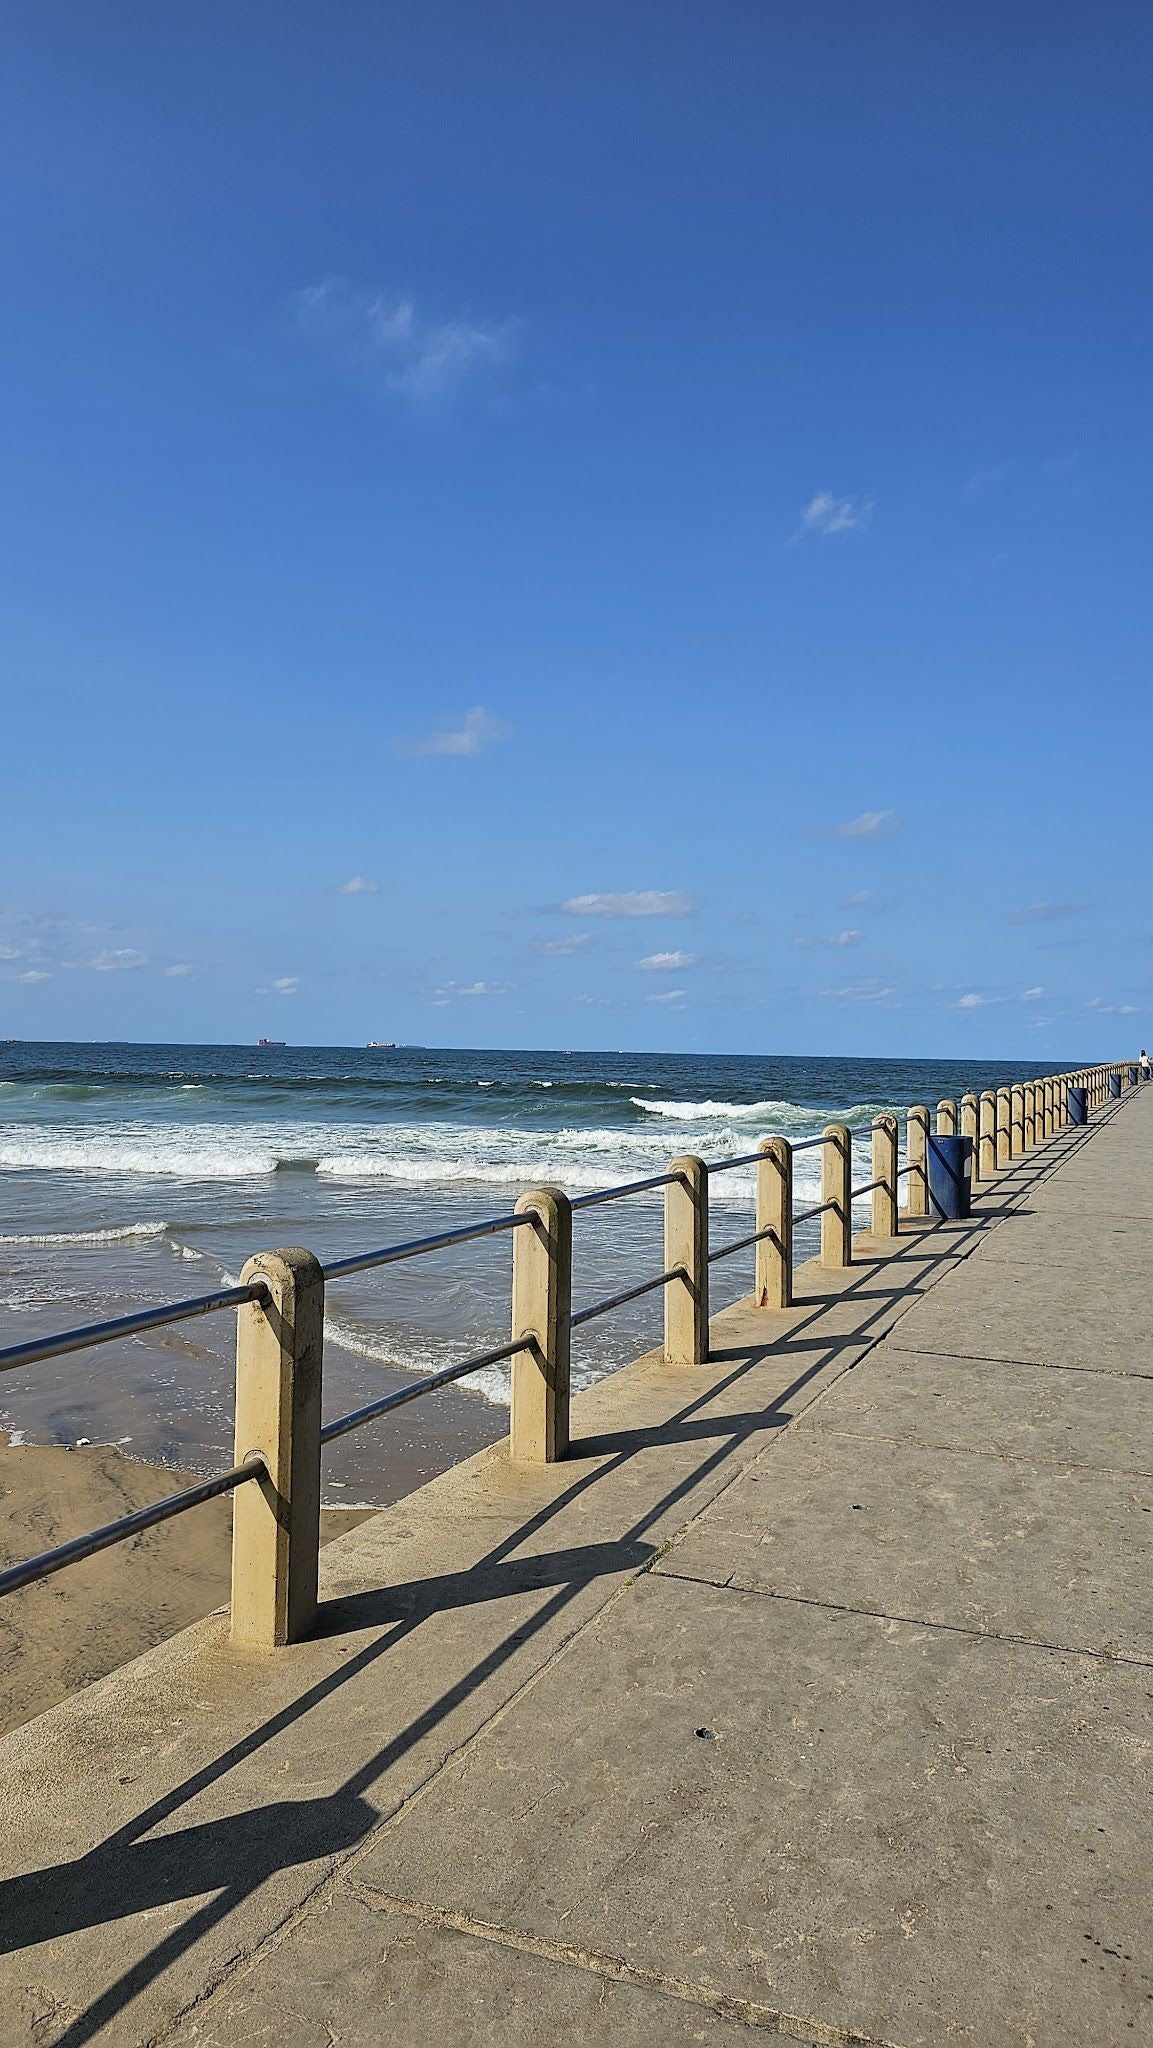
{"x": 1105, "y": 1009}
{"x": 666, "y": 963}
{"x": 359, "y": 886}
{"x": 386, "y": 343}
{"x": 831, "y": 939}
{"x": 477, "y": 731}
{"x": 855, "y": 901}
{"x": 668, "y": 995}
{"x": 34, "y": 974}
{"x": 632, "y": 903}
{"x": 11, "y": 953}
{"x": 972, "y": 1001}
{"x": 1031, "y": 995}
{"x": 1044, "y": 913}
{"x": 181, "y": 972}
{"x": 118, "y": 960}
{"x": 284, "y": 985}
{"x": 560, "y": 949}
{"x": 870, "y": 825}
{"x": 826, "y": 514}
{"x": 452, "y": 989}
{"x": 860, "y": 992}
{"x": 595, "y": 1002}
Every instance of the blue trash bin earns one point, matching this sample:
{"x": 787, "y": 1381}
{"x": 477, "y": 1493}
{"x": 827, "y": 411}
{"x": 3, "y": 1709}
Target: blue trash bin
{"x": 1114, "y": 1084}
{"x": 1078, "y": 1111}
{"x": 950, "y": 1175}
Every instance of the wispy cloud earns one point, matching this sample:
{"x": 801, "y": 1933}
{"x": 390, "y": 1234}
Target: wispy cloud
{"x": 35, "y": 974}
{"x": 386, "y": 343}
{"x": 870, "y": 825}
{"x": 562, "y": 949}
{"x": 284, "y": 985}
{"x": 665, "y": 963}
{"x": 1105, "y": 1009}
{"x": 632, "y": 903}
{"x": 452, "y": 989}
{"x": 826, "y": 514}
{"x": 669, "y": 995}
{"x": 1031, "y": 995}
{"x": 180, "y": 972}
{"x": 118, "y": 960}
{"x": 358, "y": 885}
{"x": 1045, "y": 913}
{"x": 860, "y": 992}
{"x": 593, "y": 1002}
{"x": 974, "y": 1001}
{"x": 831, "y": 939}
{"x": 477, "y": 732}
{"x": 855, "y": 901}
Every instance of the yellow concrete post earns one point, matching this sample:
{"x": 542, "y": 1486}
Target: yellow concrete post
{"x": 836, "y": 1181}
{"x": 541, "y": 1311}
{"x": 276, "y": 1519}
{"x": 1004, "y": 1127}
{"x": 946, "y": 1119}
{"x": 988, "y": 1138}
{"x": 884, "y": 1219}
{"x": 773, "y": 1281}
{"x": 916, "y": 1145}
{"x": 1030, "y": 1115}
{"x": 687, "y": 1254}
{"x": 970, "y": 1128}
{"x": 1017, "y": 1120}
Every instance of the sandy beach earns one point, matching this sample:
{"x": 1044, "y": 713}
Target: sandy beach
{"x": 83, "y": 1622}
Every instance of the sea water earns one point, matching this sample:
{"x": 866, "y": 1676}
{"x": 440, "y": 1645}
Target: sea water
{"x": 132, "y": 1175}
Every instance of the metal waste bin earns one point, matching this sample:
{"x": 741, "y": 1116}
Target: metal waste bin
{"x": 1078, "y": 1112}
{"x": 1114, "y": 1084}
{"x": 950, "y": 1175}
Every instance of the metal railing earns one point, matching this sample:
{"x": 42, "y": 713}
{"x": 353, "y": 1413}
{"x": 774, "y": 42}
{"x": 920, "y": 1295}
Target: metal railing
{"x": 280, "y": 1318}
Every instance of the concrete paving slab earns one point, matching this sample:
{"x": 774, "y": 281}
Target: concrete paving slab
{"x": 361, "y": 1974}
{"x": 1036, "y": 1314}
{"x": 964, "y": 1540}
{"x": 1015, "y": 1411}
{"x": 907, "y": 1835}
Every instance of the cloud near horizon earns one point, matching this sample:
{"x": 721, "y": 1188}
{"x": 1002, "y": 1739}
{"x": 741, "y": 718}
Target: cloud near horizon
{"x": 632, "y": 903}
{"x": 476, "y": 733}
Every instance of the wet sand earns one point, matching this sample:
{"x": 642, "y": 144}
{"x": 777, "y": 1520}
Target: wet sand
{"x": 72, "y": 1628}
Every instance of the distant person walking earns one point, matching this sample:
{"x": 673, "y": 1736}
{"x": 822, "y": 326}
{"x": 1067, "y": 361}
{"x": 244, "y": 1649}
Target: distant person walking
{"x": 1146, "y": 1066}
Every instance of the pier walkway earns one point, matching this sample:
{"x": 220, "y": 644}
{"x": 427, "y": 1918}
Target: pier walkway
{"x": 811, "y": 1696}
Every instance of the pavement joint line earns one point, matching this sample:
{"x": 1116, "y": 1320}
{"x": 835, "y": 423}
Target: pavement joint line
{"x": 953, "y": 1628}
{"x": 1110, "y": 1372}
{"x": 932, "y": 1443}
{"x": 804, "y": 2029}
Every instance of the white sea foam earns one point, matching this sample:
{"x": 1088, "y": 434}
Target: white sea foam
{"x": 61, "y": 1237}
{"x": 728, "y": 1112}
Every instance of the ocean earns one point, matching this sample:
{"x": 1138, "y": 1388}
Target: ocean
{"x": 137, "y": 1174}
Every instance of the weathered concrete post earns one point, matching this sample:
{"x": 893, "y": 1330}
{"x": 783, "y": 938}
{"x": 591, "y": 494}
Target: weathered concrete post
{"x": 916, "y": 1144}
{"x": 276, "y": 1519}
{"x": 687, "y": 1253}
{"x": 1004, "y": 1128}
{"x": 836, "y": 1181}
{"x": 946, "y": 1119}
{"x": 970, "y": 1128}
{"x": 541, "y": 1310}
{"x": 773, "y": 1281}
{"x": 988, "y": 1122}
{"x": 884, "y": 1219}
{"x": 1030, "y": 1116}
{"x": 1047, "y": 1108}
{"x": 1017, "y": 1120}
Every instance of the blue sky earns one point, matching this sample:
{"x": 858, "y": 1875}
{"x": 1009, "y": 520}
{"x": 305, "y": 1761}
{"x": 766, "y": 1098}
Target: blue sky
{"x": 578, "y": 526}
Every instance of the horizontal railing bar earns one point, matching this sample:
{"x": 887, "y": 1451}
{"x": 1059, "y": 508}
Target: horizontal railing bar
{"x": 867, "y": 1189}
{"x": 80, "y": 1547}
{"x": 740, "y": 1244}
{"x": 806, "y": 1215}
{"x": 807, "y": 1144}
{"x": 357, "y": 1417}
{"x": 745, "y": 1159}
{"x": 389, "y": 1255}
{"x": 631, "y": 1187}
{"x": 126, "y": 1326}
{"x": 601, "y": 1308}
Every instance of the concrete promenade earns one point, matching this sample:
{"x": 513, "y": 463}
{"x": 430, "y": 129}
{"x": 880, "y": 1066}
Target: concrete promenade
{"x": 812, "y": 1696}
